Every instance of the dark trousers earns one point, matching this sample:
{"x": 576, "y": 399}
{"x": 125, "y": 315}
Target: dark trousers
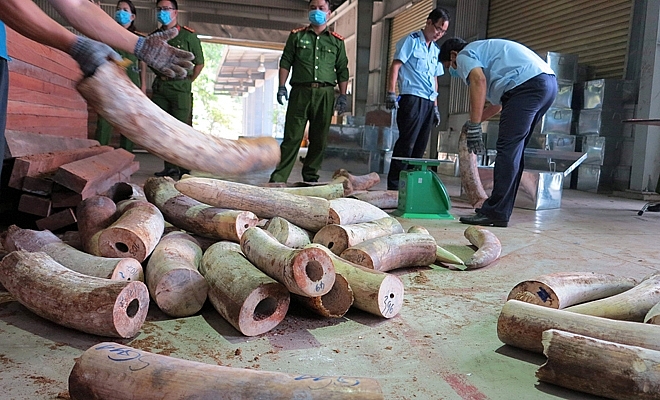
{"x": 522, "y": 108}
{"x": 104, "y": 134}
{"x": 175, "y": 97}
{"x": 414, "y": 119}
{"x": 4, "y": 93}
{"x": 315, "y": 105}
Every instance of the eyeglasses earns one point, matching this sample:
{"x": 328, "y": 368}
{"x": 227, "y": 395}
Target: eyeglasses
{"x": 438, "y": 29}
{"x": 165, "y": 8}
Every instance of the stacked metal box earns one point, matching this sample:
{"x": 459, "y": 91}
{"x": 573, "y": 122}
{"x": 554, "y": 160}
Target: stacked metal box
{"x": 360, "y": 148}
{"x": 600, "y": 134}
{"x": 554, "y": 130}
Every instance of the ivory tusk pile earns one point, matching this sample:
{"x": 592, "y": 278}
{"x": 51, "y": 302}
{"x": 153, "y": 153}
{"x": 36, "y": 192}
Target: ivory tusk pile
{"x": 564, "y": 289}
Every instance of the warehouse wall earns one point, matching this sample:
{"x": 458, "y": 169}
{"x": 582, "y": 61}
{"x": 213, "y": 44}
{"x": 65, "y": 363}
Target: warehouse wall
{"x": 42, "y": 94}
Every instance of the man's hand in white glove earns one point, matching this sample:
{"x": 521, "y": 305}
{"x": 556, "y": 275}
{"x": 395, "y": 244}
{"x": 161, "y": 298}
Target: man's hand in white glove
{"x": 390, "y": 101}
{"x": 168, "y": 60}
{"x": 475, "y": 138}
{"x": 90, "y": 54}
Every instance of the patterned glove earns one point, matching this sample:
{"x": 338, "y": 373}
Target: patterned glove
{"x": 281, "y": 92}
{"x": 341, "y": 104}
{"x": 390, "y": 101}
{"x": 474, "y": 136}
{"x": 90, "y": 54}
{"x": 436, "y": 116}
{"x": 169, "y": 60}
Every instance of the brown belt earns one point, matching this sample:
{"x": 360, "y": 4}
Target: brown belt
{"x": 312, "y": 84}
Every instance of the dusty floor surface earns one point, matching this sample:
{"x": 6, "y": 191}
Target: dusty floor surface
{"x": 442, "y": 345}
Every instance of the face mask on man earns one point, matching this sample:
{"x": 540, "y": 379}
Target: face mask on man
{"x": 453, "y": 72}
{"x": 317, "y": 17}
{"x": 164, "y": 17}
{"x": 123, "y": 17}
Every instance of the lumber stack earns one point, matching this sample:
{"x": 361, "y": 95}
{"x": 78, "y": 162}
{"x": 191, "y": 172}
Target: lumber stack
{"x": 54, "y": 174}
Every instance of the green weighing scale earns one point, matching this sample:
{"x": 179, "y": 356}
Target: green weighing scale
{"x": 421, "y": 193}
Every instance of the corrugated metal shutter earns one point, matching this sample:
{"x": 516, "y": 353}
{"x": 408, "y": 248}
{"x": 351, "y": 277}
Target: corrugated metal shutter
{"x": 467, "y": 27}
{"x": 597, "y": 31}
{"x": 405, "y": 22}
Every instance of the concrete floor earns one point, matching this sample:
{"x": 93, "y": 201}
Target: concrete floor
{"x": 442, "y": 345}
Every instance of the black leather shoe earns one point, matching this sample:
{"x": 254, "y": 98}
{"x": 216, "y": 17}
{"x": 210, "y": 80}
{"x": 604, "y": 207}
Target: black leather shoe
{"x": 654, "y": 208}
{"x": 483, "y": 220}
{"x": 168, "y": 172}
{"x": 313, "y": 180}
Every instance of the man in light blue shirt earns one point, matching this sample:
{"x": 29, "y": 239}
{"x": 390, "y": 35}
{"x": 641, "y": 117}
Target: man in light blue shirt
{"x": 416, "y": 68}
{"x": 515, "y": 81}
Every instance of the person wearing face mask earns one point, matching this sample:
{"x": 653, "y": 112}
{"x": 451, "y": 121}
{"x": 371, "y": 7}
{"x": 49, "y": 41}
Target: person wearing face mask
{"x": 318, "y": 59}
{"x": 517, "y": 83}
{"x": 416, "y": 68}
{"x": 174, "y": 95}
{"x": 27, "y": 19}
{"x": 137, "y": 72}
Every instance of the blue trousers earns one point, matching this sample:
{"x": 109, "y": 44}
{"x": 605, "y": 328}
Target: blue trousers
{"x": 522, "y": 108}
{"x": 414, "y": 119}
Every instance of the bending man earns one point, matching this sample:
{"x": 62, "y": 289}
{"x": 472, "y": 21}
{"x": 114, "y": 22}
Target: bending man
{"x": 516, "y": 82}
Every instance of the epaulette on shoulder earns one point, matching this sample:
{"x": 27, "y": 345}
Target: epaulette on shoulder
{"x": 302, "y": 28}
{"x": 338, "y": 36}
{"x": 415, "y": 34}
{"x": 189, "y": 29}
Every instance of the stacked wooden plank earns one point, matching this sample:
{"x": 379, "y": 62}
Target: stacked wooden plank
{"x": 56, "y": 173}
{"x": 42, "y": 93}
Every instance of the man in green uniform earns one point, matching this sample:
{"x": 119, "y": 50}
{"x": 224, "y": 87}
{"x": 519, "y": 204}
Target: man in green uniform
{"x": 136, "y": 71}
{"x": 171, "y": 94}
{"x": 103, "y": 127}
{"x": 318, "y": 58}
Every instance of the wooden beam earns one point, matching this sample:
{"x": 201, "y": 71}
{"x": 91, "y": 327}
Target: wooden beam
{"x": 48, "y": 162}
{"x": 37, "y": 185}
{"x": 83, "y": 174}
{"x": 34, "y": 205}
{"x": 22, "y": 144}
{"x": 57, "y": 220}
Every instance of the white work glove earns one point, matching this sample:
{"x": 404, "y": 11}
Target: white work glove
{"x": 90, "y": 54}
{"x": 166, "y": 59}
{"x": 390, "y": 101}
{"x": 475, "y": 138}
